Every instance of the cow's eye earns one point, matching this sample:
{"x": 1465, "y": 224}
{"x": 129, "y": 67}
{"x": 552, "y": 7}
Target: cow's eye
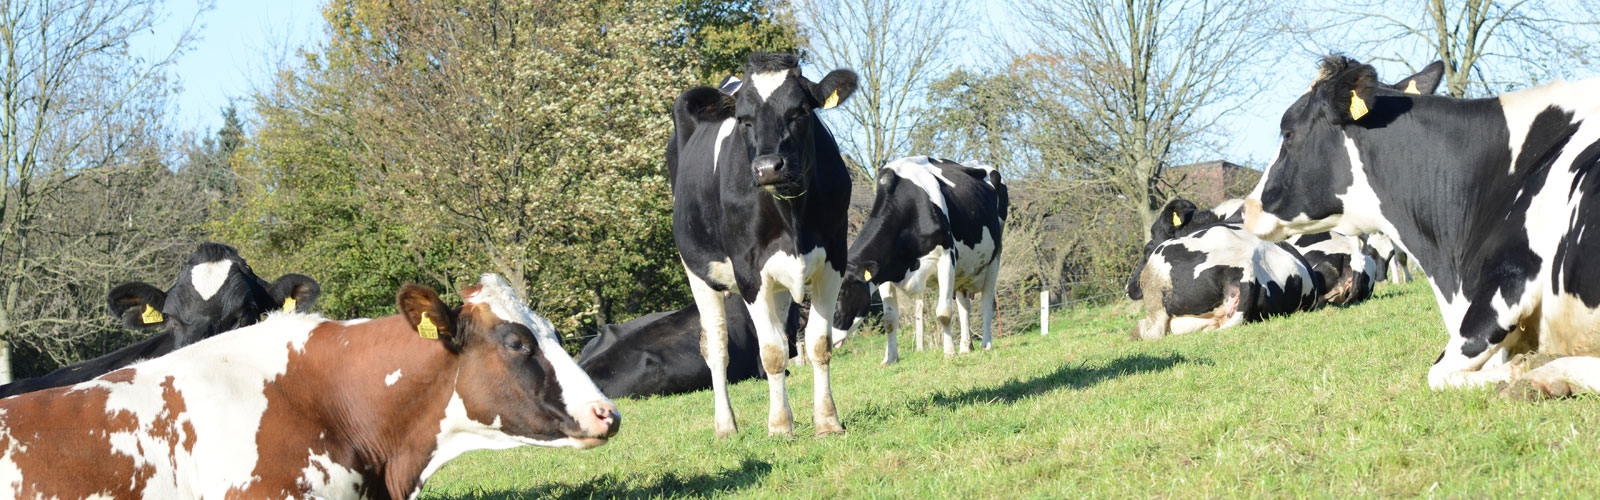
{"x": 1285, "y": 135}
{"x": 516, "y": 345}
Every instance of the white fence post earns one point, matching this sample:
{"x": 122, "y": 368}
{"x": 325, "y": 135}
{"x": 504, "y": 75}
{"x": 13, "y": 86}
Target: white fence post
{"x": 919, "y": 323}
{"x": 1044, "y": 312}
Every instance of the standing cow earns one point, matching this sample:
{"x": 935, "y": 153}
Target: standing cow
{"x": 1491, "y": 196}
{"x": 1201, "y": 272}
{"x": 216, "y": 291}
{"x": 760, "y": 194}
{"x": 931, "y": 218}
{"x": 297, "y": 406}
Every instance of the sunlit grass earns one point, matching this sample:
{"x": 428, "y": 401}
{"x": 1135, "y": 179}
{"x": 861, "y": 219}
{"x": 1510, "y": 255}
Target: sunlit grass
{"x": 1331, "y": 403}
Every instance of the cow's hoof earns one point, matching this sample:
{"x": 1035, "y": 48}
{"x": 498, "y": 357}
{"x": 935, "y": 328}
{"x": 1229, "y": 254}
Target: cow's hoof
{"x": 829, "y": 426}
{"x": 725, "y": 432}
{"x": 780, "y": 430}
{"x": 890, "y": 360}
{"x": 1530, "y": 390}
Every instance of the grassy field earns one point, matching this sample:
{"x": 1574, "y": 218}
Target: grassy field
{"x": 1326, "y": 404}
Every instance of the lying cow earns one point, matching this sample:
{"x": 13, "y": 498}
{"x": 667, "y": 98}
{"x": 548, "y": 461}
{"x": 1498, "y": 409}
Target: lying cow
{"x": 216, "y": 291}
{"x": 659, "y": 354}
{"x": 1202, "y": 273}
{"x": 1491, "y": 196}
{"x": 931, "y": 218}
{"x": 301, "y": 407}
{"x": 1393, "y": 264}
{"x": 1344, "y": 270}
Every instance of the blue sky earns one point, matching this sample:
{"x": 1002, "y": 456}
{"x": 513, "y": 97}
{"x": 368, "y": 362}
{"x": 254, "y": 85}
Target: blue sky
{"x": 240, "y": 41}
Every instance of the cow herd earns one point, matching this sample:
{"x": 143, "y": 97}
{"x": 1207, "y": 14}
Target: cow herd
{"x": 245, "y": 393}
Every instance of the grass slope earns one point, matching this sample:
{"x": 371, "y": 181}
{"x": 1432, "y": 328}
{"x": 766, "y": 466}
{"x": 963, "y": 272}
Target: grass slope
{"x": 1332, "y": 403}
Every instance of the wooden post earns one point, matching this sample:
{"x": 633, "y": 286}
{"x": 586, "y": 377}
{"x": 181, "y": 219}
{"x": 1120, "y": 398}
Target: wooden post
{"x": 1044, "y": 312}
{"x": 919, "y": 322}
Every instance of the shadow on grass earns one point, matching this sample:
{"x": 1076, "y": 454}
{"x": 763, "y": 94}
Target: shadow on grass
{"x": 1065, "y": 377}
{"x": 748, "y": 473}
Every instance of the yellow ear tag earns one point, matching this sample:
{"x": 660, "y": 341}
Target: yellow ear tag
{"x": 1175, "y": 220}
{"x": 1358, "y": 107}
{"x": 288, "y": 304}
{"x": 866, "y": 275}
{"x": 833, "y": 100}
{"x": 1411, "y": 88}
{"x": 427, "y": 328}
{"x": 151, "y": 316}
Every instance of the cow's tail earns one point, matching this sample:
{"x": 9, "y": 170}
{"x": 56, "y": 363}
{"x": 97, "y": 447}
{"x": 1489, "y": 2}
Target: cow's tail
{"x": 1134, "y": 290}
{"x": 1003, "y": 198}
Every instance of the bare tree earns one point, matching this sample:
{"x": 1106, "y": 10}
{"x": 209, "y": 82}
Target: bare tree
{"x": 897, "y": 47}
{"x": 1153, "y": 77}
{"x": 1486, "y": 45}
{"x": 69, "y": 94}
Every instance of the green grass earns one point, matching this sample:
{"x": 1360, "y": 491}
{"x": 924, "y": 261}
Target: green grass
{"x": 1332, "y": 403}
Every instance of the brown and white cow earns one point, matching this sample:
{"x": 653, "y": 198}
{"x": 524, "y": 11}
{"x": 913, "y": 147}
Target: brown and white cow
{"x": 298, "y": 406}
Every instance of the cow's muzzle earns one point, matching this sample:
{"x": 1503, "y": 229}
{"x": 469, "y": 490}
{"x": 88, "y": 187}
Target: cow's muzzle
{"x": 769, "y": 170}
{"x": 1262, "y": 224}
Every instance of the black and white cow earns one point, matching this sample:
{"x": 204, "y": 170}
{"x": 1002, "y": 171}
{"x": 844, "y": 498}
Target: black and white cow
{"x": 1344, "y": 269}
{"x": 1493, "y": 197}
{"x": 760, "y": 194}
{"x": 216, "y": 291}
{"x": 1393, "y": 265}
{"x": 1200, "y": 272}
{"x": 659, "y": 354}
{"x": 931, "y": 218}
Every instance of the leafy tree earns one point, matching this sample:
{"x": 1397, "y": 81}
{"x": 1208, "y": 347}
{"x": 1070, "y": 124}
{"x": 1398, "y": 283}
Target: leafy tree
{"x": 433, "y": 140}
{"x": 723, "y": 32}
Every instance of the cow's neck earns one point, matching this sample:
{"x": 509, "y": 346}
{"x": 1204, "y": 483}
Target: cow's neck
{"x": 1439, "y": 173}
{"x": 393, "y": 394}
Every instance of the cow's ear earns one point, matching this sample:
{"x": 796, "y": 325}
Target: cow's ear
{"x": 835, "y": 88}
{"x": 428, "y": 315}
{"x": 1351, "y": 92}
{"x": 137, "y": 304}
{"x": 1425, "y": 82}
{"x": 295, "y": 292}
{"x": 705, "y": 103}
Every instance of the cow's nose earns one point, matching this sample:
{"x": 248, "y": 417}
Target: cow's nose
{"x": 768, "y": 169}
{"x": 607, "y": 419}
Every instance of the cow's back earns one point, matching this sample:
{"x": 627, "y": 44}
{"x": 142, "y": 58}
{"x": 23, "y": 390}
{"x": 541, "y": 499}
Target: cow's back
{"x": 170, "y": 427}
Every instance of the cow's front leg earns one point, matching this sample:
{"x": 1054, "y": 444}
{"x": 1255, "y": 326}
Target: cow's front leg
{"x": 714, "y": 347}
{"x": 947, "y": 277}
{"x": 768, "y": 312}
{"x": 1472, "y": 347}
{"x": 963, "y": 309}
{"x": 1559, "y": 377}
{"x": 824, "y": 289}
{"x": 891, "y": 322}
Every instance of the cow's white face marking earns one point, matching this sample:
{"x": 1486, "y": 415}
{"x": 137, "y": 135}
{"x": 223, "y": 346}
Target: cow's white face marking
{"x": 392, "y": 378}
{"x": 577, "y": 389}
{"x": 209, "y": 277}
{"x": 767, "y": 83}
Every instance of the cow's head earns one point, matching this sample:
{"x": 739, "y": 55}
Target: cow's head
{"x": 1178, "y": 218}
{"x": 774, "y": 109}
{"x": 1315, "y": 182}
{"x": 216, "y": 291}
{"x": 855, "y": 295}
{"x": 515, "y": 384}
